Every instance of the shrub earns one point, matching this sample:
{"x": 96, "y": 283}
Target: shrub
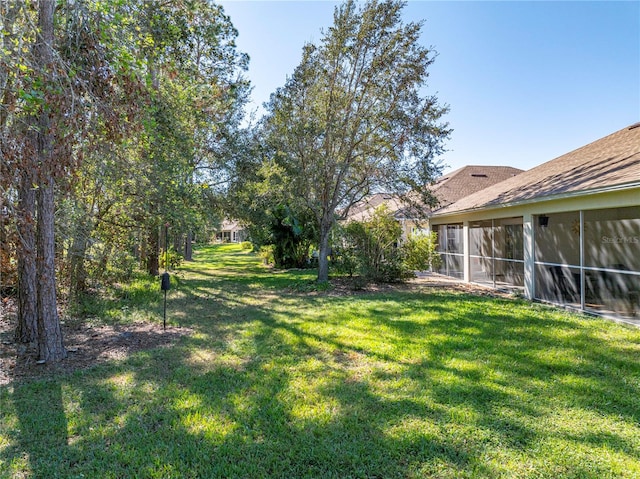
{"x": 8, "y": 267}
{"x": 108, "y": 263}
{"x": 246, "y": 245}
{"x": 121, "y": 266}
{"x": 371, "y": 248}
{"x": 266, "y": 253}
{"x": 173, "y": 257}
{"x": 420, "y": 252}
{"x": 344, "y": 259}
{"x": 292, "y": 234}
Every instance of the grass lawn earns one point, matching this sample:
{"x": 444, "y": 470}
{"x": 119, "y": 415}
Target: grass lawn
{"x": 278, "y": 382}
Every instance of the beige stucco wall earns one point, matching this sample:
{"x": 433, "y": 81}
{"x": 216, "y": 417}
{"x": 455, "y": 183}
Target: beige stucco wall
{"x": 408, "y": 226}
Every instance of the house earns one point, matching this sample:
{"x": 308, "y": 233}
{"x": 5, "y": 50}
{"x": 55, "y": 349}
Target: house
{"x": 446, "y": 189}
{"x": 231, "y": 231}
{"x": 565, "y": 232}
{"x": 469, "y": 179}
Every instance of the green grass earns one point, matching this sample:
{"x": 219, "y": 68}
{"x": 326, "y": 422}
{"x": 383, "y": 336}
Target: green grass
{"x": 280, "y": 382}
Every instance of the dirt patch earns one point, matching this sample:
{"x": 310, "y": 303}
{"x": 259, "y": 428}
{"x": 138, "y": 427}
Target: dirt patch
{"x": 443, "y": 282}
{"x": 352, "y": 287}
{"x": 86, "y": 344}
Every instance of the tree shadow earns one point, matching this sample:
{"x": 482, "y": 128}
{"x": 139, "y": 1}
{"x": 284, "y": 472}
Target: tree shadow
{"x": 40, "y": 438}
{"x": 263, "y": 389}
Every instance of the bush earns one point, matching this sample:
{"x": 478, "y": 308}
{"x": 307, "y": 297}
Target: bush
{"x": 174, "y": 259}
{"x": 370, "y": 248}
{"x": 8, "y": 268}
{"x": 108, "y": 263}
{"x": 121, "y": 265}
{"x": 420, "y": 252}
{"x": 292, "y": 234}
{"x": 266, "y": 253}
{"x": 344, "y": 259}
{"x": 246, "y": 245}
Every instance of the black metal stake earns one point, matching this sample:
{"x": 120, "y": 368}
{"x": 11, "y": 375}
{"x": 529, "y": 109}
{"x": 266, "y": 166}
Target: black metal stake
{"x": 165, "y": 285}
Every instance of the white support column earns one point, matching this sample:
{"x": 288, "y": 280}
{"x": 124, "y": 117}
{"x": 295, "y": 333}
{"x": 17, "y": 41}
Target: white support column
{"x": 466, "y": 250}
{"x": 529, "y": 255}
{"x": 582, "y": 276}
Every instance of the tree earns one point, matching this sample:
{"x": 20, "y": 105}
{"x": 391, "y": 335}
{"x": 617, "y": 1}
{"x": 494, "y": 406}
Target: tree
{"x": 61, "y": 81}
{"x": 256, "y": 195}
{"x": 111, "y": 122}
{"x": 197, "y": 93}
{"x": 190, "y": 101}
{"x": 50, "y": 345}
{"x": 352, "y": 118}
{"x": 17, "y": 174}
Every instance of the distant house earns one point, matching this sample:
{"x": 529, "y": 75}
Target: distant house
{"x": 447, "y": 189}
{"x": 364, "y": 209}
{"x": 565, "y": 232}
{"x": 231, "y": 231}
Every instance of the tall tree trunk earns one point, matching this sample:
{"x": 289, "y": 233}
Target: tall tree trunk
{"x": 50, "y": 342}
{"x": 323, "y": 253}
{"x": 7, "y": 22}
{"x": 153, "y": 251}
{"x": 188, "y": 247}
{"x": 27, "y": 327}
{"x": 179, "y": 243}
{"x": 142, "y": 248}
{"x": 77, "y": 254}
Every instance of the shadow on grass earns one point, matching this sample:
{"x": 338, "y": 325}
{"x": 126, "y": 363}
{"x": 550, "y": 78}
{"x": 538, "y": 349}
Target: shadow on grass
{"x": 280, "y": 384}
{"x": 42, "y": 423}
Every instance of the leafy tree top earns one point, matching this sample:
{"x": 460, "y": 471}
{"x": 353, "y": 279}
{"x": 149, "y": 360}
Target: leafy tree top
{"x": 352, "y": 119}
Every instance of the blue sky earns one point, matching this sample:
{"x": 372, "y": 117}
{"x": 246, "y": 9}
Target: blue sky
{"x": 526, "y": 81}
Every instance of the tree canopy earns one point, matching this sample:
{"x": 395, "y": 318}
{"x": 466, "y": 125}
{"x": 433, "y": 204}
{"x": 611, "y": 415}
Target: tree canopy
{"x": 114, "y": 119}
{"x": 354, "y": 118}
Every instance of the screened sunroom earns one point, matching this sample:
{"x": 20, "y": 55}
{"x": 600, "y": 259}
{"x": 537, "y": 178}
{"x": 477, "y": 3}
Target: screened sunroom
{"x": 565, "y": 232}
{"x": 496, "y": 252}
{"x": 451, "y": 250}
{"x": 585, "y": 259}
{"x": 590, "y": 260}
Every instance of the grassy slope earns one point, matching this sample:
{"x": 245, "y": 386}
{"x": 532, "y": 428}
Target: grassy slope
{"x": 280, "y": 384}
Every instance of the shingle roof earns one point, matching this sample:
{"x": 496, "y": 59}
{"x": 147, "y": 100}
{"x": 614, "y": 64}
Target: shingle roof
{"x": 447, "y": 189}
{"x": 364, "y": 209}
{"x": 469, "y": 179}
{"x": 611, "y": 161}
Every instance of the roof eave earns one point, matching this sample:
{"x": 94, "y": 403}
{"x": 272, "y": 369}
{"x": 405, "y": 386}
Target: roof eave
{"x": 542, "y": 199}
